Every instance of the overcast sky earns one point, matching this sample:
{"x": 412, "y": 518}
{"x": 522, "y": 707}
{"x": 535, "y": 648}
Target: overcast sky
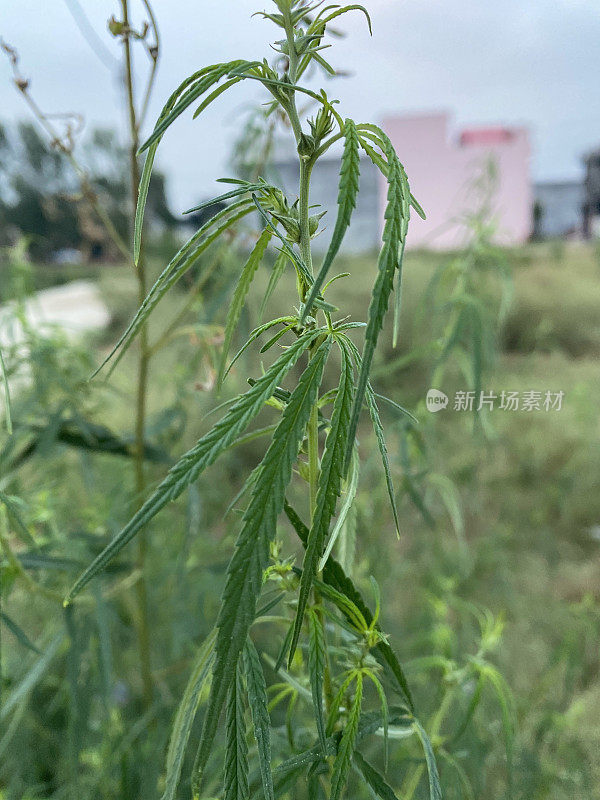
{"x": 531, "y": 62}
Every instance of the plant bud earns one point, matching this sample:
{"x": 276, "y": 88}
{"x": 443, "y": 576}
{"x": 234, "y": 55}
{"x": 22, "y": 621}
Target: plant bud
{"x": 306, "y": 146}
{"x": 313, "y": 222}
{"x": 115, "y": 27}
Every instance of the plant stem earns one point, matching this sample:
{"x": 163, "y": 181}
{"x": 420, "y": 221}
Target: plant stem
{"x": 306, "y": 166}
{"x": 142, "y": 382}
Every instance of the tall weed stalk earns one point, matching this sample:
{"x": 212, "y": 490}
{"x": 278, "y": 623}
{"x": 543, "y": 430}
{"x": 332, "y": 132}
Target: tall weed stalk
{"x": 355, "y": 683}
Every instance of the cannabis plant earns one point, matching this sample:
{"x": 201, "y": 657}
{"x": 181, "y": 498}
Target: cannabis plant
{"x": 326, "y": 623}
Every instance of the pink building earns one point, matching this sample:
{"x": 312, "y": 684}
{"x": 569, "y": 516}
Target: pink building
{"x": 443, "y": 171}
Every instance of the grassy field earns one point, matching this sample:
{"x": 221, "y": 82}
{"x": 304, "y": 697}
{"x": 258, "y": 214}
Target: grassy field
{"x": 510, "y": 543}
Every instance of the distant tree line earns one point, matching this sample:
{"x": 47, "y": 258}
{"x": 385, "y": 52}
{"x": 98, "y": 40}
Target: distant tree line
{"x": 41, "y": 198}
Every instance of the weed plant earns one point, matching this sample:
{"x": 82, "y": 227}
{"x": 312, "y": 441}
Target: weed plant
{"x": 352, "y": 669}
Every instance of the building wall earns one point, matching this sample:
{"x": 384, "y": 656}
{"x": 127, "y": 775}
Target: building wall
{"x": 561, "y": 208}
{"x": 442, "y": 171}
{"x": 363, "y": 234}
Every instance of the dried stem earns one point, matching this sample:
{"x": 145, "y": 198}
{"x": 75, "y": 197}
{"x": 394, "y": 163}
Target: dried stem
{"x": 142, "y": 374}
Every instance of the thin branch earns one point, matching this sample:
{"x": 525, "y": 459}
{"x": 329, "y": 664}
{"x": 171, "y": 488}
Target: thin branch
{"x": 64, "y": 143}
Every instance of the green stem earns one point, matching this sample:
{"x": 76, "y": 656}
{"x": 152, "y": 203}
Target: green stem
{"x": 306, "y": 166}
{"x": 142, "y": 384}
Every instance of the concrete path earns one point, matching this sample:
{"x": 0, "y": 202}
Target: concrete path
{"x": 77, "y": 308}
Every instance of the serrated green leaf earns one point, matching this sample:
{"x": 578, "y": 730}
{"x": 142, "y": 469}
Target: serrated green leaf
{"x": 338, "y": 702}
{"x": 351, "y": 487}
{"x": 344, "y": 10}
{"x": 329, "y": 487}
{"x": 276, "y": 273}
{"x": 385, "y": 714}
{"x": 381, "y": 165}
{"x": 275, "y": 83}
{"x": 346, "y": 606}
{"x": 246, "y": 188}
{"x": 257, "y": 699}
{"x": 206, "y": 78}
{"x": 343, "y": 759}
{"x": 396, "y": 216}
{"x": 380, "y": 436}
{"x": 506, "y": 702}
{"x": 348, "y": 190}
{"x": 335, "y": 577}
{"x": 181, "y": 262}
{"x": 186, "y": 712}
{"x": 317, "y": 659}
{"x": 239, "y": 296}
{"x": 369, "y": 397}
{"x": 397, "y": 303}
{"x": 254, "y": 335}
{"x": 264, "y": 609}
{"x": 378, "y": 785}
{"x": 204, "y": 453}
{"x": 142, "y": 196}
{"x": 250, "y": 559}
{"x": 213, "y": 95}
{"x": 284, "y": 648}
{"x": 236, "y": 747}
{"x": 397, "y": 407}
{"x": 149, "y": 163}
{"x": 435, "y": 789}
{"x": 450, "y": 495}
{"x": 294, "y": 257}
{"x": 274, "y": 339}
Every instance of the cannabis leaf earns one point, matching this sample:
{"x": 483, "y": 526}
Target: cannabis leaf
{"x": 250, "y": 559}
{"x": 198, "y": 681}
{"x": 348, "y": 190}
{"x": 236, "y": 747}
{"x": 204, "y": 453}
{"x": 257, "y": 698}
{"x": 369, "y": 397}
{"x": 317, "y": 658}
{"x": 183, "y": 260}
{"x": 330, "y": 479}
{"x": 376, "y": 782}
{"x": 239, "y": 296}
{"x": 204, "y": 79}
{"x": 394, "y": 233}
{"x": 343, "y": 759}
{"x": 435, "y": 789}
{"x": 335, "y": 577}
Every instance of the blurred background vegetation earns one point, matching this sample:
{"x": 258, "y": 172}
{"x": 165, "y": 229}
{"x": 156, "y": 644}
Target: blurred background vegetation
{"x": 498, "y": 558}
